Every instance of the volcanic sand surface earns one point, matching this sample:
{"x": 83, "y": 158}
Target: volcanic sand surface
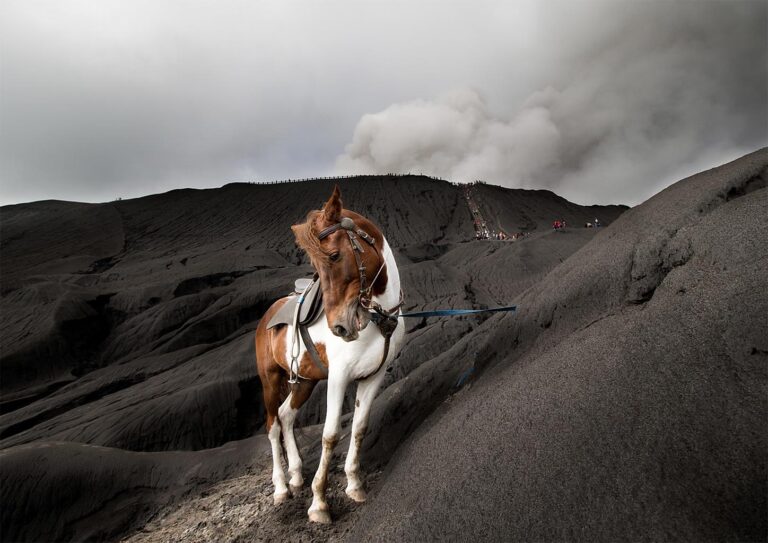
{"x": 169, "y": 288}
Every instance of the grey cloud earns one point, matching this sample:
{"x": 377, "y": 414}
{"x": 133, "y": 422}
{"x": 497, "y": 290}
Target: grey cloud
{"x": 599, "y": 101}
{"x": 664, "y": 90}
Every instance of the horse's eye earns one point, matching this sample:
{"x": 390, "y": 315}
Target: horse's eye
{"x": 335, "y": 256}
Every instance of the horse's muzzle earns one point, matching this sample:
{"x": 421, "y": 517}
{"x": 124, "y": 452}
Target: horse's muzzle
{"x": 352, "y": 322}
{"x": 344, "y": 333}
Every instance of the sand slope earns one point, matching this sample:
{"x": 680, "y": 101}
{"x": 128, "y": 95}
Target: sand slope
{"x": 127, "y": 371}
{"x": 626, "y": 400}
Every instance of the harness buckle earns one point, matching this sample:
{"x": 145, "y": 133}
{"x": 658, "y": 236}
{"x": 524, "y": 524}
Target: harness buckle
{"x": 355, "y": 245}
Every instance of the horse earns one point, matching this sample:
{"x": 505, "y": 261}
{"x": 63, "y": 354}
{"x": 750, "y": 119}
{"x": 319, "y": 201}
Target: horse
{"x": 360, "y": 283}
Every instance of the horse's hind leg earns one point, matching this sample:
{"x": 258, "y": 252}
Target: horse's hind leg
{"x": 366, "y": 392}
{"x": 272, "y": 390}
{"x": 287, "y": 413}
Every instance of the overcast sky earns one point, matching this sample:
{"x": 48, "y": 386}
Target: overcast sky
{"x": 602, "y": 102}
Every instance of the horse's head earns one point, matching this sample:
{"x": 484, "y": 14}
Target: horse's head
{"x": 335, "y": 257}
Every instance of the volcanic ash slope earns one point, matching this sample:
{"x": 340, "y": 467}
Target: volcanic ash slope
{"x": 127, "y": 371}
{"x": 625, "y": 400}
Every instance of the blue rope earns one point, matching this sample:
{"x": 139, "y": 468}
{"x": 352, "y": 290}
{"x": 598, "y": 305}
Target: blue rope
{"x": 452, "y": 312}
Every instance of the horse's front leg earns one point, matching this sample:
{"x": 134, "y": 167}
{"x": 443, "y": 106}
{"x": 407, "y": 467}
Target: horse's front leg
{"x": 366, "y": 392}
{"x": 287, "y": 414}
{"x": 337, "y": 385}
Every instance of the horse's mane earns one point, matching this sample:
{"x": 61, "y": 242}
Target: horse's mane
{"x": 306, "y": 238}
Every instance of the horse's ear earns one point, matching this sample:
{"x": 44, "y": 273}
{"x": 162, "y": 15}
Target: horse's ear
{"x": 332, "y": 208}
{"x": 296, "y": 229}
{"x": 300, "y": 234}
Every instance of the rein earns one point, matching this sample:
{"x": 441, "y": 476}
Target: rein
{"x": 385, "y": 319}
{"x": 455, "y": 312}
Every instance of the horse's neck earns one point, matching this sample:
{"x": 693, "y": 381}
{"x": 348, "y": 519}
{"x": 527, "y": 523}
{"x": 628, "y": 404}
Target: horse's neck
{"x": 391, "y": 295}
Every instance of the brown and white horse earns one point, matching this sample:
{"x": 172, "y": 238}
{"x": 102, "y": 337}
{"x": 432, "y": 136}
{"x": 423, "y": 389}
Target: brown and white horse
{"x": 349, "y": 346}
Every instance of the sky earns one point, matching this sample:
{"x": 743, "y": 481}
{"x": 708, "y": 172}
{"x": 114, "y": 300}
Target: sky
{"x": 601, "y": 102}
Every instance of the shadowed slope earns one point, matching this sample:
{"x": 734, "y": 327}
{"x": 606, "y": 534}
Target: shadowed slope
{"x": 625, "y": 400}
{"x": 71, "y": 491}
{"x": 145, "y": 343}
{"x": 163, "y": 314}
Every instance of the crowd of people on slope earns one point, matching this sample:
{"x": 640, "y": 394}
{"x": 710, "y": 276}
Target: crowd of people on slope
{"x": 500, "y": 235}
{"x": 559, "y": 224}
{"x": 483, "y": 232}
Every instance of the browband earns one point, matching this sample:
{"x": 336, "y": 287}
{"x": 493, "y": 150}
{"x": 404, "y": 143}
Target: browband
{"x": 347, "y": 224}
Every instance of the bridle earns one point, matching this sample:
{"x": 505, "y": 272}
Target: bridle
{"x": 385, "y": 319}
{"x": 364, "y": 297}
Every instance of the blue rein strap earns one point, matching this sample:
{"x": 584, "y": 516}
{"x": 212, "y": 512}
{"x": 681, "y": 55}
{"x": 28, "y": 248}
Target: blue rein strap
{"x": 454, "y": 312}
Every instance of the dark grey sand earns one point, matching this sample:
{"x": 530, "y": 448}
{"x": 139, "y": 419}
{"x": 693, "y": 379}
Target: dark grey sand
{"x": 625, "y": 400}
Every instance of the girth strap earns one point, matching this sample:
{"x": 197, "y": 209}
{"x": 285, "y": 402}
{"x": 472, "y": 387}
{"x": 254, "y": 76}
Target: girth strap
{"x": 312, "y": 349}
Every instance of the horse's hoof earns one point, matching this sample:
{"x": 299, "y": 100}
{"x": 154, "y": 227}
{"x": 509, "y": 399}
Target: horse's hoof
{"x": 358, "y": 494}
{"x": 321, "y": 517}
{"x": 295, "y": 489}
{"x": 282, "y": 498}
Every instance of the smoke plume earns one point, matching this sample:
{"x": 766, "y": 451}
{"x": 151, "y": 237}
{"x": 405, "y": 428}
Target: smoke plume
{"x": 664, "y": 91}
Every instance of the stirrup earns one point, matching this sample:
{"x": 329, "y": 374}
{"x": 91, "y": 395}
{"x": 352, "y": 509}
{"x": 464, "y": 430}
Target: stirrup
{"x": 293, "y": 375}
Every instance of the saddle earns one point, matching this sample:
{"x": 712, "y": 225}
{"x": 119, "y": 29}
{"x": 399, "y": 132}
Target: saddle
{"x": 308, "y": 296}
